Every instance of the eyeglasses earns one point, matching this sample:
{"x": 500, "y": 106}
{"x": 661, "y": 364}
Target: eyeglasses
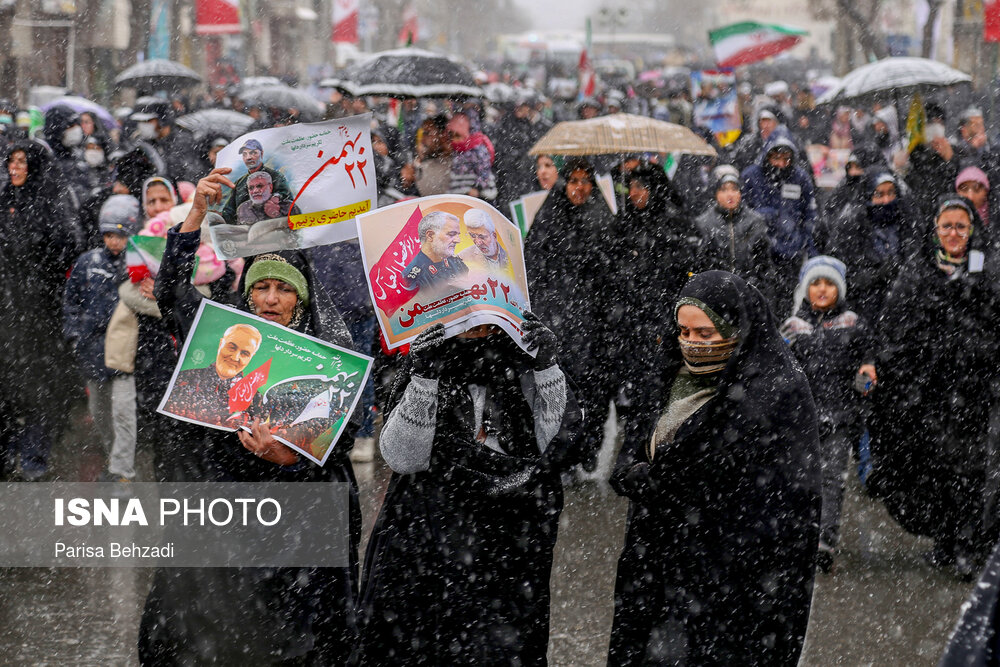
{"x": 950, "y": 228}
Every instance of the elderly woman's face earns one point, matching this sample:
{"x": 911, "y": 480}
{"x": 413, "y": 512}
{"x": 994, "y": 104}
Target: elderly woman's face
{"x": 953, "y": 228}
{"x": 274, "y": 300}
{"x": 158, "y": 200}
{"x": 695, "y": 326}
{"x": 17, "y": 167}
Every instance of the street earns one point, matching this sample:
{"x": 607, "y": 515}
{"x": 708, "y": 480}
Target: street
{"x": 882, "y": 605}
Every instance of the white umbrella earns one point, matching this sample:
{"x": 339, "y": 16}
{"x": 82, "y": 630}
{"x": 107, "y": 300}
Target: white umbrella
{"x": 895, "y": 76}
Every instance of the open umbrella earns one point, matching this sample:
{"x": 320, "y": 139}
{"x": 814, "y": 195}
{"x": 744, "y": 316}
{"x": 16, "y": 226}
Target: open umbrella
{"x": 158, "y": 74}
{"x": 216, "y": 123}
{"x": 409, "y": 72}
{"x": 81, "y": 104}
{"x": 285, "y": 97}
{"x": 893, "y": 77}
{"x": 620, "y": 133}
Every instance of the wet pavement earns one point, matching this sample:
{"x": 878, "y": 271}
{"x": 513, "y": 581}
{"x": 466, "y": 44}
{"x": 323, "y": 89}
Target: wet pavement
{"x": 882, "y": 605}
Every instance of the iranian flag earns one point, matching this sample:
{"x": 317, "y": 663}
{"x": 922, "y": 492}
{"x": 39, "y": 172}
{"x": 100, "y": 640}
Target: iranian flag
{"x": 345, "y": 21}
{"x": 143, "y": 255}
{"x": 217, "y": 17}
{"x": 749, "y": 41}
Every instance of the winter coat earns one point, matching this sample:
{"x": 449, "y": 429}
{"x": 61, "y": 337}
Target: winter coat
{"x": 653, "y": 256}
{"x": 831, "y": 347}
{"x": 786, "y": 202}
{"x": 457, "y": 569}
{"x": 339, "y": 268}
{"x": 936, "y": 388}
{"x": 975, "y": 642}
{"x": 39, "y": 239}
{"x": 873, "y": 252}
{"x": 249, "y": 615}
{"x": 929, "y": 177}
{"x": 514, "y": 168}
{"x": 717, "y": 566}
{"x": 736, "y": 242}
{"x": 67, "y": 161}
{"x": 88, "y": 302}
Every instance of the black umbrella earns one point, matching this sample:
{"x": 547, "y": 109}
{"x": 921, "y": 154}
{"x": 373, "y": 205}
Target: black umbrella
{"x": 287, "y": 98}
{"x": 409, "y": 72}
{"x": 157, "y": 74}
{"x": 216, "y": 123}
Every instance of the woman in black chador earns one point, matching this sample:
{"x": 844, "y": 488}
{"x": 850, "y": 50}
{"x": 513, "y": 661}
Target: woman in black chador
{"x": 718, "y": 562}
{"x": 457, "y": 570}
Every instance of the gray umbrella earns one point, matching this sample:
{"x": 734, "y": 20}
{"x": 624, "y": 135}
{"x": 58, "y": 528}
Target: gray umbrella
{"x": 893, "y": 77}
{"x": 287, "y": 98}
{"x": 157, "y": 74}
{"x": 409, "y": 72}
{"x": 216, "y": 123}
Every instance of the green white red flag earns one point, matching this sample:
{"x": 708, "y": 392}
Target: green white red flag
{"x": 749, "y": 41}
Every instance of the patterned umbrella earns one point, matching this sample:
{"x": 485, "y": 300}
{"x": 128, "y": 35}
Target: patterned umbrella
{"x": 409, "y": 72}
{"x": 619, "y": 133}
{"x": 893, "y": 76}
{"x": 158, "y": 74}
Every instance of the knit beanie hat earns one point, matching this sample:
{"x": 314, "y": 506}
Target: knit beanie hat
{"x": 275, "y": 266}
{"x": 119, "y": 215}
{"x": 821, "y": 266}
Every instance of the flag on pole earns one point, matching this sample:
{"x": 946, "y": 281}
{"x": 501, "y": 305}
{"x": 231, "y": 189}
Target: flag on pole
{"x": 411, "y": 25}
{"x": 991, "y": 21}
{"x": 585, "y": 70}
{"x": 916, "y": 120}
{"x": 217, "y": 17}
{"x": 748, "y": 42}
{"x": 344, "y": 21}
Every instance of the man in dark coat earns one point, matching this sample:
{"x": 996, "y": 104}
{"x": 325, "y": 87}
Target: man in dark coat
{"x": 933, "y": 164}
{"x": 64, "y": 136}
{"x": 568, "y": 257}
{"x": 782, "y": 192}
{"x": 732, "y": 237}
{"x": 517, "y": 132}
{"x": 154, "y": 118}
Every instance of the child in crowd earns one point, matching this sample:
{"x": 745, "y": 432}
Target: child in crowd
{"x": 831, "y": 342}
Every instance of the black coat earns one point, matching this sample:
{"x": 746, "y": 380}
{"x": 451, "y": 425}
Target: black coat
{"x": 737, "y": 243}
{"x": 717, "y": 566}
{"x": 39, "y": 240}
{"x": 830, "y": 357}
{"x": 249, "y": 615}
{"x": 872, "y": 265}
{"x": 457, "y": 569}
{"x": 975, "y": 641}
{"x": 937, "y": 384}
{"x": 570, "y": 260}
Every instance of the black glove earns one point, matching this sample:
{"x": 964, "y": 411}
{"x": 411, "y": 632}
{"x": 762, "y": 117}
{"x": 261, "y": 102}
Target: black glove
{"x": 632, "y": 482}
{"x": 423, "y": 355}
{"x": 540, "y": 337}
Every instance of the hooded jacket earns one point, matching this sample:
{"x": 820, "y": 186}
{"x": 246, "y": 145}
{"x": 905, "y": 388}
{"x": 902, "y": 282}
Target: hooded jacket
{"x": 88, "y": 302}
{"x": 785, "y": 199}
{"x": 736, "y": 241}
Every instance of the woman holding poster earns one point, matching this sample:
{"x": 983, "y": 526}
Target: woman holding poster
{"x": 457, "y": 570}
{"x": 257, "y": 616}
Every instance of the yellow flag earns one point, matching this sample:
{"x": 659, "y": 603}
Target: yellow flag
{"x": 916, "y": 119}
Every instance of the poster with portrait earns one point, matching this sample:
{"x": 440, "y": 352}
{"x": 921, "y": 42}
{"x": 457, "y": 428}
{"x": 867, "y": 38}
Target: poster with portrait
{"x": 236, "y": 366}
{"x": 447, "y": 258}
{"x": 297, "y": 186}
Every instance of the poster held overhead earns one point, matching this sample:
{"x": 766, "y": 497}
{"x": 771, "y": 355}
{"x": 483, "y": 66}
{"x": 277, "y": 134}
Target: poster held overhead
{"x": 297, "y": 186}
{"x": 451, "y": 259}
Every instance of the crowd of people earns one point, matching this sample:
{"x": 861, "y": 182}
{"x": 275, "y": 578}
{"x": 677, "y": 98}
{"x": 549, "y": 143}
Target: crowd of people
{"x": 752, "y": 330}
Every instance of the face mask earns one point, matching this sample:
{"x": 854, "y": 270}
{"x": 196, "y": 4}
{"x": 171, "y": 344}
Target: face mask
{"x": 6, "y": 119}
{"x": 147, "y": 130}
{"x": 72, "y": 136}
{"x": 94, "y": 157}
{"x": 710, "y": 357}
{"x": 884, "y": 214}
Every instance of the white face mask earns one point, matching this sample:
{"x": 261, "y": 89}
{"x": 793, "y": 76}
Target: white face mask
{"x": 72, "y": 136}
{"x": 147, "y": 129}
{"x": 94, "y": 157}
